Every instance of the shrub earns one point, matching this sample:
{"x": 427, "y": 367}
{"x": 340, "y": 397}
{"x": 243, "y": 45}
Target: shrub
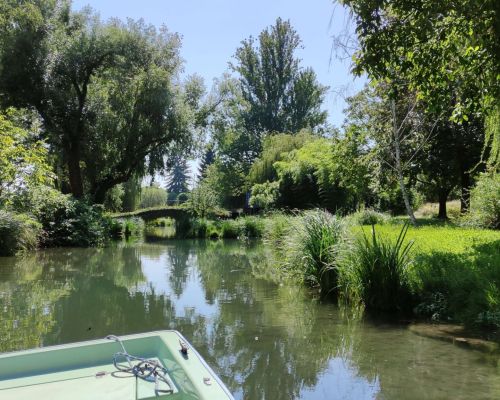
{"x": 69, "y": 222}
{"x": 116, "y": 228}
{"x": 113, "y": 200}
{"x": 229, "y": 229}
{"x": 213, "y": 231}
{"x": 370, "y": 217}
{"x": 250, "y": 227}
{"x": 18, "y": 232}
{"x": 133, "y": 226}
{"x": 203, "y": 201}
{"x": 264, "y": 195}
{"x": 199, "y": 228}
{"x": 377, "y": 273}
{"x": 485, "y": 202}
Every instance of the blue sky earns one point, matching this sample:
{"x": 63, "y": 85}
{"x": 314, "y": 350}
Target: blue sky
{"x": 213, "y": 29}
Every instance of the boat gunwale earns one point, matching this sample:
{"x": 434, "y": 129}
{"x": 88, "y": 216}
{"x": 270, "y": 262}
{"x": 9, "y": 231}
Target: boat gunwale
{"x": 125, "y": 337}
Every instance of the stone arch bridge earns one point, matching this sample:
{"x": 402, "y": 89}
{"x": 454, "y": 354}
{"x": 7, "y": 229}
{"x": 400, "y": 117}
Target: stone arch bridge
{"x": 149, "y": 214}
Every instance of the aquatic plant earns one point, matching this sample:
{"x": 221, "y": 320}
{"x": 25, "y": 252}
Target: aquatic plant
{"x": 313, "y": 249}
{"x": 377, "y": 273}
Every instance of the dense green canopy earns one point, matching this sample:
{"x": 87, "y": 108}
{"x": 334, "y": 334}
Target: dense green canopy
{"x": 108, "y": 92}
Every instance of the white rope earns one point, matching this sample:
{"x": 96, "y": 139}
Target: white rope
{"x": 146, "y": 369}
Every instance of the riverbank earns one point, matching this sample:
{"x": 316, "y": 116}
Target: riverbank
{"x": 437, "y": 271}
{"x": 209, "y": 290}
{"x": 457, "y": 335}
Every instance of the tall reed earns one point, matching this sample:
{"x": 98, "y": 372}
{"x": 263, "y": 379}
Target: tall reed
{"x": 313, "y": 248}
{"x": 377, "y": 273}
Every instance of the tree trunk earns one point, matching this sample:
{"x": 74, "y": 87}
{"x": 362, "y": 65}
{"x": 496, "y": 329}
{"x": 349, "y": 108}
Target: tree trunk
{"x": 465, "y": 183}
{"x": 100, "y": 195}
{"x": 443, "y": 196}
{"x": 399, "y": 169}
{"x": 74, "y": 171}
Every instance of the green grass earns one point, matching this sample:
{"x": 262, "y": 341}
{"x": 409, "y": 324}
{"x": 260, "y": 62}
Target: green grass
{"x": 452, "y": 273}
{"x": 455, "y": 273}
{"x": 438, "y": 236}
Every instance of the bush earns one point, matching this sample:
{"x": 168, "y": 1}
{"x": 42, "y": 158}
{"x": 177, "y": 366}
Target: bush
{"x": 485, "y": 202}
{"x": 18, "y": 232}
{"x": 377, "y": 273}
{"x": 229, "y": 229}
{"x": 250, "y": 227}
{"x": 391, "y": 200}
{"x": 116, "y": 228}
{"x": 68, "y": 222}
{"x": 113, "y": 200}
{"x": 203, "y": 201}
{"x": 133, "y": 226}
{"x": 199, "y": 228}
{"x": 370, "y": 217}
{"x": 264, "y": 195}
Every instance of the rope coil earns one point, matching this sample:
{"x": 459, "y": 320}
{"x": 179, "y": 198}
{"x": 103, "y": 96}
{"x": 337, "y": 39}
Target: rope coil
{"x": 146, "y": 369}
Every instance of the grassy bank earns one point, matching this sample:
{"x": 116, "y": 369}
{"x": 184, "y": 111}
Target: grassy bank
{"x": 454, "y": 272}
{"x": 438, "y": 270}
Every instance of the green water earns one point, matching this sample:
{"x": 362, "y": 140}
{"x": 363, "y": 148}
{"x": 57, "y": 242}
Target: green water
{"x": 265, "y": 340}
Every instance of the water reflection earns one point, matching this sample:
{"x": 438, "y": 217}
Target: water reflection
{"x": 267, "y": 340}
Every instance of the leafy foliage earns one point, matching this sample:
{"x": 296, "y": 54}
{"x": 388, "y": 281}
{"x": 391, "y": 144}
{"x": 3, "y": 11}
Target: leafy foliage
{"x": 369, "y": 217}
{"x": 275, "y": 148}
{"x": 264, "y": 195}
{"x": 281, "y": 96}
{"x": 227, "y": 183}
{"x": 448, "y": 51}
{"x": 485, "y": 202}
{"x": 18, "y": 232}
{"x": 108, "y": 93}
{"x": 153, "y": 196}
{"x": 202, "y": 200}
{"x": 114, "y": 199}
{"x": 23, "y": 158}
{"x": 66, "y": 221}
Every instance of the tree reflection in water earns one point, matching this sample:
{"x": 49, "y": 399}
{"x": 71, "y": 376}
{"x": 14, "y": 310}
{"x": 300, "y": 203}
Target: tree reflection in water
{"x": 266, "y": 339}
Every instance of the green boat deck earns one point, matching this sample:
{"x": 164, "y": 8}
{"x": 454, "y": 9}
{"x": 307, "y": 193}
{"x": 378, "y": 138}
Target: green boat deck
{"x": 85, "y": 370}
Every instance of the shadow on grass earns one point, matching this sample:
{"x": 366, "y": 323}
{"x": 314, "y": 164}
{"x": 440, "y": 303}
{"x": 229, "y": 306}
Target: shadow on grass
{"x": 461, "y": 287}
{"x": 426, "y": 222}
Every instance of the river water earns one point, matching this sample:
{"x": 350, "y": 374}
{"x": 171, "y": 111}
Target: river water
{"x": 266, "y": 340}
